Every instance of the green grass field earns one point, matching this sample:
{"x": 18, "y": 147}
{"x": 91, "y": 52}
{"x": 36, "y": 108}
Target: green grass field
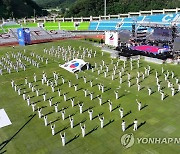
{"x": 29, "y": 25}
{"x": 6, "y": 28}
{"x": 51, "y": 26}
{"x": 67, "y": 25}
{"x": 83, "y": 26}
{"x": 27, "y": 134}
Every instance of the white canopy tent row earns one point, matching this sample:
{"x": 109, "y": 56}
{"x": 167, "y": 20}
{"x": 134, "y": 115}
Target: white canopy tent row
{"x": 75, "y": 65}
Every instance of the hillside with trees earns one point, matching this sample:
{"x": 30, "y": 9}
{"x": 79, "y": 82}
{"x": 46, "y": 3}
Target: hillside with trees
{"x": 55, "y": 3}
{"x": 96, "y": 7}
{"x": 20, "y": 9}
{"x": 78, "y": 8}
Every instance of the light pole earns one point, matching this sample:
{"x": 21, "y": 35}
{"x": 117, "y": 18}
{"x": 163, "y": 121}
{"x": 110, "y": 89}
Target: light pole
{"x": 104, "y": 7}
{"x": 34, "y": 13}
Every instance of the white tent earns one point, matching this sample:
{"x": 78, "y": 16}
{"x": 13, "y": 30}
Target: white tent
{"x": 74, "y": 65}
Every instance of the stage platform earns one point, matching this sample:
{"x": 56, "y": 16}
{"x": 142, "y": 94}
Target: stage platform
{"x": 150, "y": 49}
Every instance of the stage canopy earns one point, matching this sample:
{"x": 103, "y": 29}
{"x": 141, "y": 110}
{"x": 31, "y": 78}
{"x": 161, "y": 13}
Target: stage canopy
{"x": 74, "y": 65}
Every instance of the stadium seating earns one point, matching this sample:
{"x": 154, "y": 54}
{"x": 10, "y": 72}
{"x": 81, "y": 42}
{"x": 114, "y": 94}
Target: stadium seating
{"x": 6, "y": 28}
{"x": 83, "y": 26}
{"x": 127, "y": 26}
{"x": 102, "y": 25}
{"x": 7, "y": 38}
{"x": 93, "y": 25}
{"x": 51, "y": 25}
{"x": 107, "y": 25}
{"x": 159, "y": 18}
{"x": 57, "y": 34}
{"x": 29, "y": 24}
{"x": 37, "y": 34}
{"x": 67, "y": 26}
{"x": 126, "y": 23}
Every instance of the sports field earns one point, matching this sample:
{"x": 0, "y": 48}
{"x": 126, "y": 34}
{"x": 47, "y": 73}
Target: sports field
{"x": 27, "y": 134}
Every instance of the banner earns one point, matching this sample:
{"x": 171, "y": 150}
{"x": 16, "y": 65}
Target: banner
{"x": 112, "y": 38}
{"x": 20, "y": 33}
{"x": 27, "y": 36}
{"x": 24, "y": 36}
